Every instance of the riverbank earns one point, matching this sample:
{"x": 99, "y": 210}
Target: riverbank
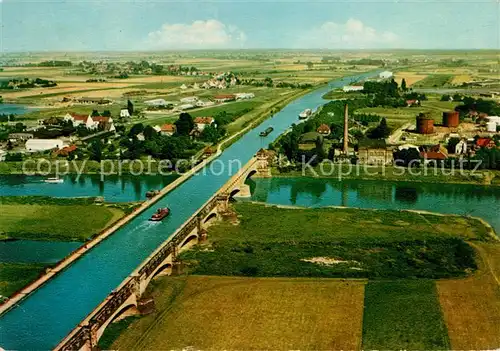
{"x": 390, "y": 173}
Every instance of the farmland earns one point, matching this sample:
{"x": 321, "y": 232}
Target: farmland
{"x": 13, "y": 276}
{"x": 249, "y": 314}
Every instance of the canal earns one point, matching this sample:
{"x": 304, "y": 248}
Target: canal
{"x": 45, "y": 317}
{"x": 460, "y": 199}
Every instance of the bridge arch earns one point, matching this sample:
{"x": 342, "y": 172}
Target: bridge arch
{"x": 130, "y": 304}
{"x": 165, "y": 269}
{"x": 190, "y": 241}
{"x": 212, "y": 217}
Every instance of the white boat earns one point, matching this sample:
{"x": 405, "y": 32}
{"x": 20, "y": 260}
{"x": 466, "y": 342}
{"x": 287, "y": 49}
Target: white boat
{"x": 306, "y": 113}
{"x": 54, "y": 180}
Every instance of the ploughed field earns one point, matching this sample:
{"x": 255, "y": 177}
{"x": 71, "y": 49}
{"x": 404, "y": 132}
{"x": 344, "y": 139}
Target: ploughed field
{"x": 294, "y": 278}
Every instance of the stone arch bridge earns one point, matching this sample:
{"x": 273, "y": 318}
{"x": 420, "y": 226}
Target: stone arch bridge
{"x": 127, "y": 296}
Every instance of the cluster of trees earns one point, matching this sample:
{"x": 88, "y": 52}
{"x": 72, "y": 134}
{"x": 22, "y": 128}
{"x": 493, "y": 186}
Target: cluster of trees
{"x": 366, "y": 61}
{"x": 123, "y": 70}
{"x": 388, "y": 93}
{"x": 490, "y": 107}
{"x": 4, "y": 117}
{"x": 55, "y": 63}
{"x": 381, "y": 131}
{"x": 27, "y": 83}
{"x": 223, "y": 118}
{"x": 268, "y": 82}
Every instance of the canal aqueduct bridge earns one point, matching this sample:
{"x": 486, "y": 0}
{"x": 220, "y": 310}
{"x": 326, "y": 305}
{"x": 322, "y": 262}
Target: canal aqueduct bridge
{"x": 163, "y": 260}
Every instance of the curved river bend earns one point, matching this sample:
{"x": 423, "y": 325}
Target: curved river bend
{"x": 50, "y": 313}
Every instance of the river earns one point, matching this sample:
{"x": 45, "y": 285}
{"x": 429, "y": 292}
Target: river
{"x": 123, "y": 188}
{"x": 461, "y": 199}
{"x": 50, "y": 313}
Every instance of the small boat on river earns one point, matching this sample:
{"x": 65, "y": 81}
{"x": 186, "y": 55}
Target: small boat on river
{"x": 266, "y": 132}
{"x": 54, "y": 180}
{"x": 160, "y": 214}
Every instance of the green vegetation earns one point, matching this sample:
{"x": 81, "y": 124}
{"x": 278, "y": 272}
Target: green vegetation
{"x": 304, "y": 244}
{"x": 114, "y": 330}
{"x": 403, "y": 315}
{"x": 14, "y": 276}
{"x": 54, "y": 219}
{"x": 434, "y": 81}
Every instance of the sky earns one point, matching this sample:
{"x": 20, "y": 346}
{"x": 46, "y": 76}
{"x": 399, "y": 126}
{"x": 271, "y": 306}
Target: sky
{"x": 142, "y": 25}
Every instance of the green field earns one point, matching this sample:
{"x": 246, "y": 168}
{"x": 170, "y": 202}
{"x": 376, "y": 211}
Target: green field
{"x": 434, "y": 81}
{"x": 304, "y": 243}
{"x": 54, "y": 219}
{"x": 229, "y": 313}
{"x": 13, "y": 276}
{"x": 403, "y": 315}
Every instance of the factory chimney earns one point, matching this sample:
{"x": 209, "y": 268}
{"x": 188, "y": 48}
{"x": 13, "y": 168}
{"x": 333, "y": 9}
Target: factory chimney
{"x": 346, "y": 129}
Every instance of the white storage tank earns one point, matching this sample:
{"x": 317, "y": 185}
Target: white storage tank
{"x": 491, "y": 127}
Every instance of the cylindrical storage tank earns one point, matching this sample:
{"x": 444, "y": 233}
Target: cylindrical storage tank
{"x": 491, "y": 127}
{"x": 451, "y": 119}
{"x": 425, "y": 125}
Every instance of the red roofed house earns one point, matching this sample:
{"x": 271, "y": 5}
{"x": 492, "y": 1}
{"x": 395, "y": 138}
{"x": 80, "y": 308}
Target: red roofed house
{"x": 65, "y": 151}
{"x": 202, "y": 122}
{"x": 168, "y": 129}
{"x": 436, "y": 152}
{"x": 105, "y": 123}
{"x": 485, "y": 142}
{"x": 77, "y": 120}
{"x": 324, "y": 129}
{"x": 410, "y": 103}
{"x": 225, "y": 98}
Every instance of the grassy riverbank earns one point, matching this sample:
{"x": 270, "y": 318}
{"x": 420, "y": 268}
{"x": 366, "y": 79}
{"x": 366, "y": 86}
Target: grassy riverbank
{"x": 390, "y": 173}
{"x": 51, "y": 219}
{"x": 13, "y": 276}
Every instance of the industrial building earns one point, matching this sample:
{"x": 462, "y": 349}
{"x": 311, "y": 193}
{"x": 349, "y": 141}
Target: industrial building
{"x": 451, "y": 119}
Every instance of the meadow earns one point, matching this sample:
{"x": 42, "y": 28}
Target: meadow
{"x": 14, "y": 276}
{"x": 39, "y": 218}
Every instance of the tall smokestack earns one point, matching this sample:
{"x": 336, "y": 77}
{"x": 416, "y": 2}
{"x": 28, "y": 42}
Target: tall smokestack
{"x": 346, "y": 129}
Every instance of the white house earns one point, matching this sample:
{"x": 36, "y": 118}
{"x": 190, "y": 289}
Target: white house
{"x": 189, "y": 100}
{"x": 461, "y": 147}
{"x": 2, "y": 155}
{"x": 77, "y": 120}
{"x": 385, "y": 75}
{"x": 349, "y": 88}
{"x": 106, "y": 123}
{"x": 124, "y": 113}
{"x": 244, "y": 96}
{"x": 185, "y": 107}
{"x": 184, "y": 87}
{"x": 202, "y": 122}
{"x": 158, "y": 102}
{"x": 36, "y": 145}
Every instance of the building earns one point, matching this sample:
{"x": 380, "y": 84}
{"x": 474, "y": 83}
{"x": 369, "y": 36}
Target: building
{"x": 184, "y": 87}
{"x": 158, "y": 102}
{"x": 244, "y": 96}
{"x": 385, "y": 75}
{"x": 185, "y": 107}
{"x": 324, "y": 130}
{"x": 434, "y": 153}
{"x": 93, "y": 101}
{"x": 189, "y": 100}
{"x": 451, "y": 119}
{"x": 461, "y": 147}
{"x": 487, "y": 143}
{"x": 37, "y": 145}
{"x": 200, "y": 103}
{"x": 168, "y": 129}
{"x": 202, "y": 122}
{"x": 3, "y": 154}
{"x": 20, "y": 136}
{"x": 350, "y": 88}
{"x": 104, "y": 123}
{"x": 410, "y": 103}
{"x": 224, "y": 98}
{"x": 124, "y": 113}
{"x": 77, "y": 120}
{"x": 374, "y": 152}
{"x": 65, "y": 151}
